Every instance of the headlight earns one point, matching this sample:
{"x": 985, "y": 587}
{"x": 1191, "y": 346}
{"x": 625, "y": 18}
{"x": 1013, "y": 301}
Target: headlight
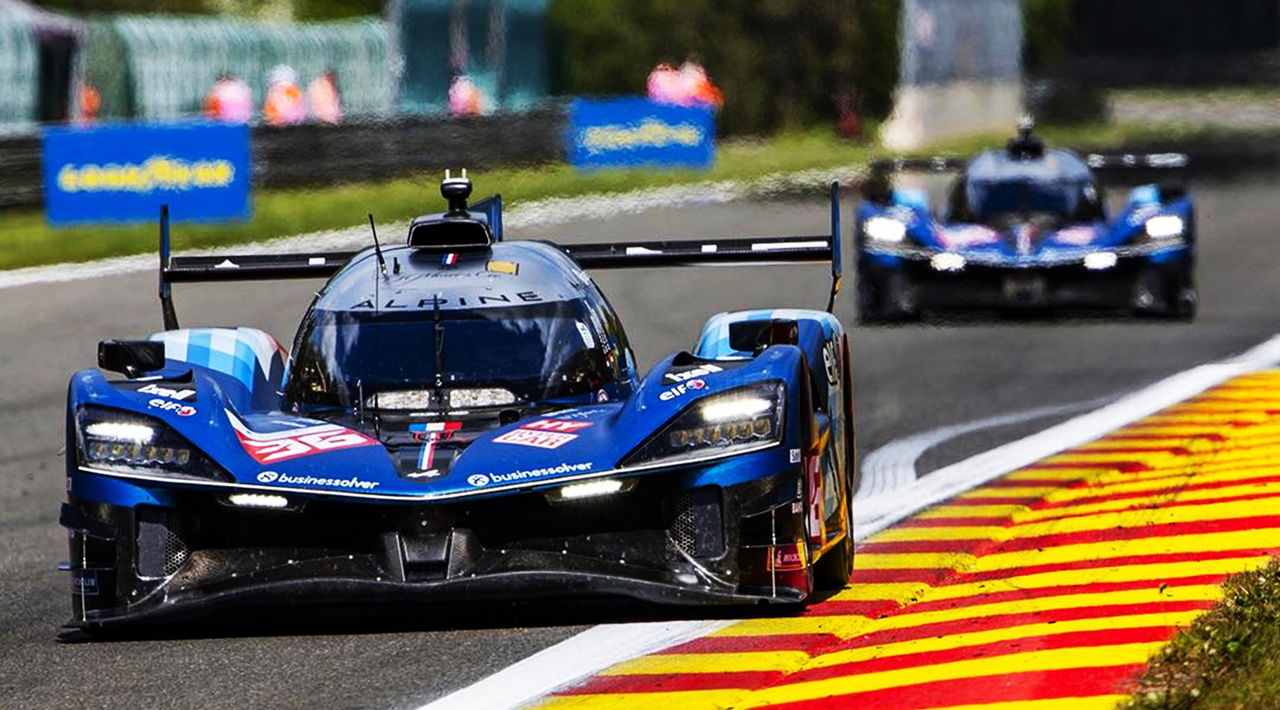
{"x": 885, "y": 229}
{"x": 1165, "y": 226}
{"x": 114, "y": 440}
{"x": 720, "y": 425}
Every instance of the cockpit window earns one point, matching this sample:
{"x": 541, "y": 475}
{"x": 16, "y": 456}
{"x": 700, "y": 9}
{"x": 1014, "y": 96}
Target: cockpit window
{"x": 537, "y": 352}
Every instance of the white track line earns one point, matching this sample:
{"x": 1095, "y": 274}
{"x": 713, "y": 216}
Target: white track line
{"x": 602, "y": 646}
{"x": 880, "y": 512}
{"x": 592, "y": 650}
{"x": 893, "y": 465}
{"x": 527, "y": 215}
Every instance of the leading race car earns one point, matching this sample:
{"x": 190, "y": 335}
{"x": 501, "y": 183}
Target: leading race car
{"x": 461, "y": 419}
{"x": 1025, "y": 229}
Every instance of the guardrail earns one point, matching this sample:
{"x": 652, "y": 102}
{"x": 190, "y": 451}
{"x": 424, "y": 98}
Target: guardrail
{"x": 301, "y": 156}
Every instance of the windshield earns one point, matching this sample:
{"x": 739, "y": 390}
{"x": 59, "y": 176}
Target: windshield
{"x": 537, "y": 352}
{"x": 1068, "y": 199}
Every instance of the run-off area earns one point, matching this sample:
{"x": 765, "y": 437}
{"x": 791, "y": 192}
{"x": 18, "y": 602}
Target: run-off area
{"x": 1049, "y": 587}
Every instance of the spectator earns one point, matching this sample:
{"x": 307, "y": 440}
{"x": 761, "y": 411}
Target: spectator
{"x": 90, "y": 102}
{"x": 230, "y": 100}
{"x": 284, "y": 105}
{"x": 696, "y": 88}
{"x": 322, "y": 96}
{"x": 664, "y": 84}
{"x": 465, "y": 98}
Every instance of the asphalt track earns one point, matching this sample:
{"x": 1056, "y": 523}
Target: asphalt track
{"x": 908, "y": 380}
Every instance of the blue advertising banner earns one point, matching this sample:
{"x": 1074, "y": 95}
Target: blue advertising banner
{"x": 633, "y": 132}
{"x": 124, "y": 173}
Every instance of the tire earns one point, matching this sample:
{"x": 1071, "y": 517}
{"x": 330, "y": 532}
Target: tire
{"x": 832, "y": 570}
{"x": 890, "y": 300}
{"x": 1164, "y": 297}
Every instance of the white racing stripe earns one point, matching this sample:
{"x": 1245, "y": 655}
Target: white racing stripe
{"x": 602, "y": 646}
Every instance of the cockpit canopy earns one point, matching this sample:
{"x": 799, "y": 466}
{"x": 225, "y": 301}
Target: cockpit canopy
{"x": 997, "y": 185}
{"x": 436, "y": 359}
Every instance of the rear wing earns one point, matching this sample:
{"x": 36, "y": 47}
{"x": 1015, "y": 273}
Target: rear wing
{"x": 1147, "y": 161}
{"x": 823, "y": 248}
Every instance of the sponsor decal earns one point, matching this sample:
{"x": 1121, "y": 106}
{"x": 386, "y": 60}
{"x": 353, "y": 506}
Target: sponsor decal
{"x": 353, "y": 483}
{"x": 84, "y": 582}
{"x": 480, "y": 480}
{"x": 450, "y": 259}
{"x": 181, "y": 395}
{"x": 580, "y": 413}
{"x": 509, "y": 268}
{"x": 422, "y": 304}
{"x": 680, "y": 389}
{"x": 538, "y": 439}
{"x": 430, "y": 433}
{"x": 700, "y": 371}
{"x": 831, "y": 363}
{"x": 164, "y": 405}
{"x": 555, "y": 425}
{"x": 602, "y": 396}
{"x": 585, "y": 333}
{"x": 795, "y": 456}
{"x": 277, "y": 446}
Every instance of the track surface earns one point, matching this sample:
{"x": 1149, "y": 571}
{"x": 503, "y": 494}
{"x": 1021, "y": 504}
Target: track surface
{"x": 1046, "y": 589}
{"x": 908, "y": 379}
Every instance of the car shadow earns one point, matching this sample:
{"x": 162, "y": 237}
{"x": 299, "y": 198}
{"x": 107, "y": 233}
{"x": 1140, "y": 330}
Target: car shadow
{"x": 275, "y": 621}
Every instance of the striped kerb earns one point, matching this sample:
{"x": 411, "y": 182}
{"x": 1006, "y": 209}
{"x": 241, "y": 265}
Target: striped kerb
{"x": 1048, "y": 588}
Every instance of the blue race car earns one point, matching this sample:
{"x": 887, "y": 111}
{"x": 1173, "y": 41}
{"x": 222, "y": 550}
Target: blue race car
{"x": 1025, "y": 229}
{"x": 461, "y": 419}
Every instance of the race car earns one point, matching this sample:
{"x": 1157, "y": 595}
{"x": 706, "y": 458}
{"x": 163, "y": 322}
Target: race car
{"x": 461, "y": 419}
{"x": 1025, "y": 229}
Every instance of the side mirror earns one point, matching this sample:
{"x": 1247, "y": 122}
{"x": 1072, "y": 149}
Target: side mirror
{"x": 131, "y": 357}
{"x": 878, "y": 190}
{"x": 751, "y": 336}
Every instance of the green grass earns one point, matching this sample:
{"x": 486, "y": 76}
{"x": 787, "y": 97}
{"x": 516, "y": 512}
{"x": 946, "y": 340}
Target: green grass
{"x": 1245, "y": 93}
{"x": 1228, "y": 658}
{"x": 27, "y": 240}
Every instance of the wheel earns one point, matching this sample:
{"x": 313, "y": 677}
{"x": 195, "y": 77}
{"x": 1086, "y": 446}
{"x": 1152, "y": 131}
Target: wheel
{"x": 1158, "y": 295}
{"x": 888, "y": 300}
{"x": 833, "y": 569}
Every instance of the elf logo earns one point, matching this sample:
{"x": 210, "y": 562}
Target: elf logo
{"x": 680, "y": 389}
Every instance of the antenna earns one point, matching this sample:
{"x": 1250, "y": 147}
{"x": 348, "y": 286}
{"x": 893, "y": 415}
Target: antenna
{"x": 382, "y": 263}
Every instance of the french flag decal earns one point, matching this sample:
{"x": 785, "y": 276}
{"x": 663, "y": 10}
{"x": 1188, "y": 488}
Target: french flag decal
{"x": 429, "y": 433}
{"x": 450, "y": 259}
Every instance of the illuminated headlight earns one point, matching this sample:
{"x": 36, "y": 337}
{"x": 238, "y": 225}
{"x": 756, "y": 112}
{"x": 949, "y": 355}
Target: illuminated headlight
{"x": 258, "y": 500}
{"x": 409, "y": 400}
{"x": 739, "y": 420}
{"x": 591, "y": 489}
{"x": 885, "y": 229}
{"x": 1100, "y": 260}
{"x": 114, "y": 440}
{"x": 1165, "y": 226}
{"x": 947, "y": 261}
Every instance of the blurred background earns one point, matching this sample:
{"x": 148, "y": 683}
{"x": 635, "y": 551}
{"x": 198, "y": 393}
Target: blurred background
{"x": 359, "y": 92}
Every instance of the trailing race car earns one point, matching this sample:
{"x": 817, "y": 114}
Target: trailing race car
{"x": 461, "y": 419}
{"x": 1025, "y": 228}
